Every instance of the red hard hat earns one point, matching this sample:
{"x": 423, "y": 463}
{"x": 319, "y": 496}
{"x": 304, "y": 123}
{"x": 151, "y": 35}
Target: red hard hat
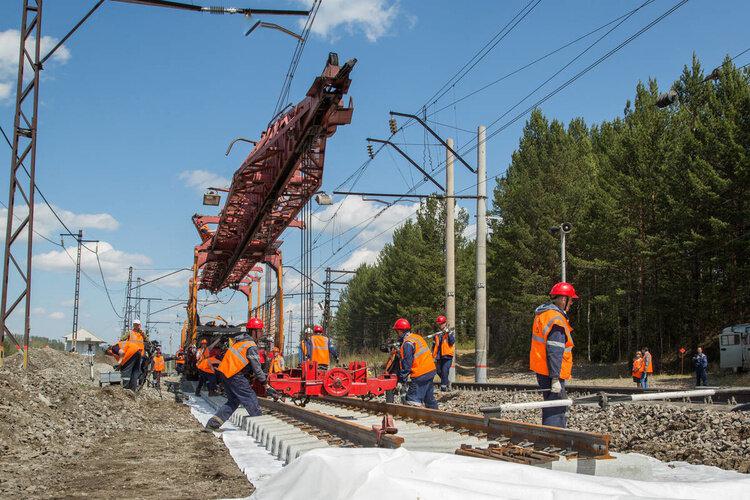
{"x": 441, "y": 320}
{"x": 564, "y": 289}
{"x": 317, "y": 329}
{"x": 255, "y": 324}
{"x": 402, "y": 324}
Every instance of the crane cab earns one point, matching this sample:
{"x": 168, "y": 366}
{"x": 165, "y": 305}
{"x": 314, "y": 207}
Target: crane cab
{"x": 734, "y": 345}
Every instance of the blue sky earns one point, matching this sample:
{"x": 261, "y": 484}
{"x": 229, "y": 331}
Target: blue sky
{"x": 137, "y": 111}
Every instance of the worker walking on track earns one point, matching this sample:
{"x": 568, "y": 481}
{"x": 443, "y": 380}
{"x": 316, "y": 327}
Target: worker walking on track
{"x": 700, "y": 363}
{"x": 320, "y": 349}
{"x": 551, "y": 355}
{"x": 417, "y": 366}
{"x": 443, "y": 348}
{"x": 648, "y": 367}
{"x": 241, "y": 356}
{"x": 206, "y": 361}
{"x": 637, "y": 370}
{"x": 130, "y": 364}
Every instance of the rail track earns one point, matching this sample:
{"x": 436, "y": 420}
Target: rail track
{"x": 740, "y": 396}
{"x": 287, "y": 431}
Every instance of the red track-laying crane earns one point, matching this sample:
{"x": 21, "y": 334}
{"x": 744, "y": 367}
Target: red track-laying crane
{"x": 277, "y": 179}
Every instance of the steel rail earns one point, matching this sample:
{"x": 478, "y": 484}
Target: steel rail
{"x": 349, "y": 431}
{"x": 587, "y": 444}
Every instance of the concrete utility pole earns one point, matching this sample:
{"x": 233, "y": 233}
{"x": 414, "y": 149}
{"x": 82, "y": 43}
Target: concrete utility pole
{"x": 563, "y": 263}
{"x": 480, "y": 374}
{"x": 77, "y": 294}
{"x": 450, "y": 249}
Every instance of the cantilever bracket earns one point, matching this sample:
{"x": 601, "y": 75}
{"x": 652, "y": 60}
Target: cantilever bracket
{"x": 416, "y": 165}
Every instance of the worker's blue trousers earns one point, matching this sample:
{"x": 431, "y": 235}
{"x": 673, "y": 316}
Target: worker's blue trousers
{"x": 557, "y": 416}
{"x": 421, "y": 390}
{"x": 238, "y": 392}
{"x": 444, "y": 369}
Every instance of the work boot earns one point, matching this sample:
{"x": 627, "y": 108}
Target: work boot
{"x": 213, "y": 424}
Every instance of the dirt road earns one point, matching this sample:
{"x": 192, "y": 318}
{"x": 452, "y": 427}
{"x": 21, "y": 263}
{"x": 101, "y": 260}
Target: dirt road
{"x": 62, "y": 436}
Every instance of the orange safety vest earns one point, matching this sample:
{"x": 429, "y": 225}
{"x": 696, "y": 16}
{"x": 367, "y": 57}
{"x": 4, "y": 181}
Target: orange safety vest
{"x": 423, "y": 361}
{"x": 128, "y": 350}
{"x": 180, "y": 359}
{"x": 137, "y": 337}
{"x": 637, "y": 367}
{"x": 543, "y": 323}
{"x": 648, "y": 362}
{"x": 442, "y": 346}
{"x": 275, "y": 365}
{"x": 158, "y": 363}
{"x": 235, "y": 360}
{"x": 207, "y": 362}
{"x": 320, "y": 349}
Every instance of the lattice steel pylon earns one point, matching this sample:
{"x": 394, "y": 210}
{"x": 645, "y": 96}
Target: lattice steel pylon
{"x": 24, "y": 146}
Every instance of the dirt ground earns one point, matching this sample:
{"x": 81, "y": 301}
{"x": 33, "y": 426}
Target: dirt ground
{"x": 62, "y": 436}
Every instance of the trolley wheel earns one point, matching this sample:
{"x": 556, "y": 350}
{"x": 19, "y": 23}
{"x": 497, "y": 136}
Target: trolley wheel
{"x": 337, "y": 382}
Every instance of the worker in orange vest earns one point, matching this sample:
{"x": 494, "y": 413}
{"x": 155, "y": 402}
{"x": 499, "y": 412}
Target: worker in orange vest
{"x": 551, "y": 354}
{"x": 417, "y": 366}
{"x": 206, "y": 360}
{"x": 131, "y": 365}
{"x": 319, "y": 348}
{"x": 443, "y": 348}
{"x": 277, "y": 361}
{"x": 179, "y": 362}
{"x": 159, "y": 367}
{"x": 241, "y": 357}
{"x": 638, "y": 369}
{"x": 648, "y": 367}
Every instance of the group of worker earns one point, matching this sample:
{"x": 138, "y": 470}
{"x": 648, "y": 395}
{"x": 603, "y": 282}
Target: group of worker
{"x": 129, "y": 354}
{"x": 643, "y": 367}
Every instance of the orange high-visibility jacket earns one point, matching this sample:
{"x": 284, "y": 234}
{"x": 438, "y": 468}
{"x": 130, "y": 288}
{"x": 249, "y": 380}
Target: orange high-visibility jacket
{"x": 180, "y": 359}
{"x": 235, "y": 359}
{"x": 442, "y": 346}
{"x": 648, "y": 362}
{"x": 128, "y": 349}
{"x": 207, "y": 363}
{"x": 637, "y": 367}
{"x": 159, "y": 363}
{"x": 423, "y": 360}
{"x": 543, "y": 323}
{"x": 320, "y": 351}
{"x": 137, "y": 337}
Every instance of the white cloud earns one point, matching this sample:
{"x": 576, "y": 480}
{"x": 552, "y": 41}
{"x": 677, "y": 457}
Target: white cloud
{"x": 42, "y": 312}
{"x": 176, "y": 280}
{"x": 9, "y": 44}
{"x": 56, "y": 315}
{"x": 202, "y": 179}
{"x": 114, "y": 262}
{"x": 38, "y": 311}
{"x": 373, "y": 18}
{"x": 46, "y": 223}
{"x": 375, "y": 233}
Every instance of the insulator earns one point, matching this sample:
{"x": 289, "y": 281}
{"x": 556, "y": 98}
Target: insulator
{"x": 393, "y": 125}
{"x": 370, "y": 152}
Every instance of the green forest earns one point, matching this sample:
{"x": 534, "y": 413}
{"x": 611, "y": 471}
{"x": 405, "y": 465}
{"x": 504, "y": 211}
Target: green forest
{"x": 659, "y": 200}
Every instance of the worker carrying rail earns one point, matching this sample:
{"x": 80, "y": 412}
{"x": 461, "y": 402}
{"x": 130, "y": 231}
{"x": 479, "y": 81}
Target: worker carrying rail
{"x": 443, "y": 348}
{"x": 318, "y": 348}
{"x": 551, "y": 355}
{"x": 417, "y": 369}
{"x": 240, "y": 356}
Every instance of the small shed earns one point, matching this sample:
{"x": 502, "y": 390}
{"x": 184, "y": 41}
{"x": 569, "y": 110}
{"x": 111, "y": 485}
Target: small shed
{"x": 85, "y": 342}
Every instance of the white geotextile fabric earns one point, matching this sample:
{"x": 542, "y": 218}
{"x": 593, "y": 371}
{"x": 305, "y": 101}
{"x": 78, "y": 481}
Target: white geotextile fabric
{"x": 379, "y": 474}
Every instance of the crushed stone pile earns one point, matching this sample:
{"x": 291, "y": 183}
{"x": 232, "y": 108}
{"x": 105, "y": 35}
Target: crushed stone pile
{"x": 57, "y": 423}
{"x": 668, "y": 432}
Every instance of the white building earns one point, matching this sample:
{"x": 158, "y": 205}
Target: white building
{"x": 84, "y": 340}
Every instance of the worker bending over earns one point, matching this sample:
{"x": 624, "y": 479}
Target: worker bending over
{"x": 241, "y": 357}
{"x": 417, "y": 366}
{"x": 207, "y": 359}
{"x": 319, "y": 348}
{"x": 443, "y": 348}
{"x": 551, "y": 355}
{"x": 130, "y": 365}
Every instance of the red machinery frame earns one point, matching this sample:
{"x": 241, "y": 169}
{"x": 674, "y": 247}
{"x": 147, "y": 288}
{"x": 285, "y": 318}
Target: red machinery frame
{"x": 308, "y": 381}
